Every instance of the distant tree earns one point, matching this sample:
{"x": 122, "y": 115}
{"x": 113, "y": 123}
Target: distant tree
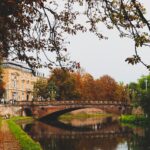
{"x": 145, "y": 102}
{"x": 144, "y": 83}
{"x": 141, "y": 93}
{"x": 121, "y": 93}
{"x": 134, "y": 92}
{"x": 41, "y": 90}
{"x": 106, "y": 86}
{"x": 38, "y": 27}
{"x": 144, "y": 94}
{"x": 133, "y": 86}
{"x": 65, "y": 84}
{"x": 87, "y": 90}
{"x": 77, "y": 76}
{"x": 53, "y": 90}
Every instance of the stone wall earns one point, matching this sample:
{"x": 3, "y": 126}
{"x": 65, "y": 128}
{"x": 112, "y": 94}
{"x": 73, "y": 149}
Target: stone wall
{"x": 6, "y": 110}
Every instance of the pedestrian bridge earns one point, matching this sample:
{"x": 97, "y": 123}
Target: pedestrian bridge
{"x": 42, "y": 109}
{"x": 70, "y": 103}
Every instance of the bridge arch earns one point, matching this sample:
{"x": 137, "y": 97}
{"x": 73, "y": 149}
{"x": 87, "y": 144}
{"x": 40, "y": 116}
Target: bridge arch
{"x": 54, "y": 115}
{"x": 27, "y": 111}
{"x": 54, "y": 109}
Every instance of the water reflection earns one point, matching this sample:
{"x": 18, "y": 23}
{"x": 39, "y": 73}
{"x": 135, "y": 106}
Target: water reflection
{"x": 90, "y": 121}
{"x": 93, "y": 135}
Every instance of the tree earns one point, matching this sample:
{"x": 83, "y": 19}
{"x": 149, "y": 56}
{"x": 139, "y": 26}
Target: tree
{"x": 141, "y": 93}
{"x": 145, "y": 102}
{"x": 121, "y": 93}
{"x": 87, "y": 90}
{"x": 39, "y": 27}
{"x": 65, "y": 84}
{"x": 41, "y": 90}
{"x": 77, "y": 76}
{"x": 53, "y": 90}
{"x": 144, "y": 83}
{"x": 144, "y": 93}
{"x": 134, "y": 92}
{"x": 106, "y": 86}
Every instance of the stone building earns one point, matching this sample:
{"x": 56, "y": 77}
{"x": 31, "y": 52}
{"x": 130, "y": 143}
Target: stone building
{"x": 19, "y": 81}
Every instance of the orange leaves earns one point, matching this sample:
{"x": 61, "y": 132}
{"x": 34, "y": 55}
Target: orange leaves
{"x": 74, "y": 85}
{"x": 87, "y": 90}
{"x": 106, "y": 87}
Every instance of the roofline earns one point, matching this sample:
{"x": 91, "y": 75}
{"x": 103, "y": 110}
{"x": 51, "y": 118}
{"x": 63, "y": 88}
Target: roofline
{"x": 16, "y": 65}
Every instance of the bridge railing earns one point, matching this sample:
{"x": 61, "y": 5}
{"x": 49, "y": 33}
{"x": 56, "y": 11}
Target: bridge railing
{"x": 71, "y": 102}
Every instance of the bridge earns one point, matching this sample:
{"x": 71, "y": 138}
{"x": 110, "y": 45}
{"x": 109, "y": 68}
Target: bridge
{"x": 70, "y": 103}
{"x": 53, "y": 109}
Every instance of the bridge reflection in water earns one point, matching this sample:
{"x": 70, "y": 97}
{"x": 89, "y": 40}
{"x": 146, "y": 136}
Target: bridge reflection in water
{"x": 59, "y": 136}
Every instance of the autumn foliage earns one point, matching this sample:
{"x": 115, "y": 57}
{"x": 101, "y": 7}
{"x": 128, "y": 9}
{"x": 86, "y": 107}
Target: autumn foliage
{"x": 82, "y": 86}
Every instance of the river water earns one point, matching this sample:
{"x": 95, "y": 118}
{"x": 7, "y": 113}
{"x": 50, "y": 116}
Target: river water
{"x": 88, "y": 134}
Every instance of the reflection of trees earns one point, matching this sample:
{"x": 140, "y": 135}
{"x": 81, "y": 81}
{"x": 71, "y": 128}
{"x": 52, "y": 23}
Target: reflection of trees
{"x": 141, "y": 142}
{"x": 95, "y": 143}
{"x": 53, "y": 138}
{"x": 79, "y": 144}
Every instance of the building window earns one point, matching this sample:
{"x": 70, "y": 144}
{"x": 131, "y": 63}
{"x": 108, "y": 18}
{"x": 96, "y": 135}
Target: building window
{"x": 22, "y": 84}
{"x": 27, "y": 84}
{"x": 14, "y": 81}
{"x": 14, "y": 95}
{"x": 22, "y": 96}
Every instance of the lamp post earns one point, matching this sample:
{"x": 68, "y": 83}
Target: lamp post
{"x": 146, "y": 81}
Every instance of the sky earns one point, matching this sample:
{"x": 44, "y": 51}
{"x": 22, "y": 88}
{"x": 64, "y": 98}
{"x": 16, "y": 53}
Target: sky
{"x": 101, "y": 57}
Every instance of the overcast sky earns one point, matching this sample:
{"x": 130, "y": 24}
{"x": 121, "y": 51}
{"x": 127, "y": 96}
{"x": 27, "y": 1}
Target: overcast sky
{"x": 108, "y": 56}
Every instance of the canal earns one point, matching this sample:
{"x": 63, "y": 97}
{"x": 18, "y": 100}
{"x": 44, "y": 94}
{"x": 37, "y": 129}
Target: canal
{"x": 88, "y": 134}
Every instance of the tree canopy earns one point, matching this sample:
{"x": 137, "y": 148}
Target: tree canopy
{"x": 30, "y": 29}
{"x": 41, "y": 90}
{"x": 66, "y": 85}
{"x": 140, "y": 93}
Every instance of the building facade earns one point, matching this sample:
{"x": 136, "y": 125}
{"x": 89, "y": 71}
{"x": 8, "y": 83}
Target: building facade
{"x": 19, "y": 81}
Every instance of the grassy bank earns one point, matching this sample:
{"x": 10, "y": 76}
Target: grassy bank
{"x": 19, "y": 118}
{"x": 69, "y": 116}
{"x": 26, "y": 142}
{"x": 135, "y": 120}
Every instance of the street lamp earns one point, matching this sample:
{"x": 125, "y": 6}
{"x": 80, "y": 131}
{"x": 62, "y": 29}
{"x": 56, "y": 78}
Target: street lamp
{"x": 146, "y": 81}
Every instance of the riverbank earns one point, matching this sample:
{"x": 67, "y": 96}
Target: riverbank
{"x": 135, "y": 120}
{"x": 26, "y": 142}
{"x": 7, "y": 139}
{"x": 19, "y": 119}
{"x": 23, "y": 140}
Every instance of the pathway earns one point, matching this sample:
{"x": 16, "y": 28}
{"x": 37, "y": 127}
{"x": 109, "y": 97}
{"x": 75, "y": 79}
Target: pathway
{"x": 7, "y": 140}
